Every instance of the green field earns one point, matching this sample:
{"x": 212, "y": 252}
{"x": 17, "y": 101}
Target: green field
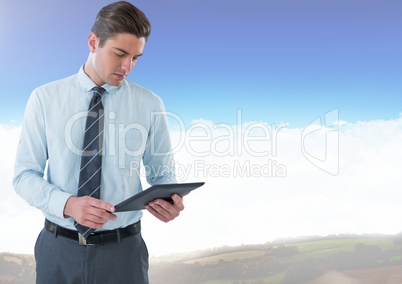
{"x": 345, "y": 257}
{"x": 212, "y": 260}
{"x": 338, "y": 245}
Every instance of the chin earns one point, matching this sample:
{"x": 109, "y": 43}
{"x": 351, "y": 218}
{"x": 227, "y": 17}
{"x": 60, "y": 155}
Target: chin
{"x": 116, "y": 84}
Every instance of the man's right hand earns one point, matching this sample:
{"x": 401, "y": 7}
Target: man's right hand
{"x": 88, "y": 211}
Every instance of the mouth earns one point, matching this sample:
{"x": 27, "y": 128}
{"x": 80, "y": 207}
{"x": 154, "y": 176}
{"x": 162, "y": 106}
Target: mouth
{"x": 119, "y": 76}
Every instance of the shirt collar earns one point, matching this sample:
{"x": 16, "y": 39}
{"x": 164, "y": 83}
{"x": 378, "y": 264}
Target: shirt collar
{"x": 87, "y": 84}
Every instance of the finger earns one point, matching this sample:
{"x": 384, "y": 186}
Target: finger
{"x": 95, "y": 220}
{"x": 178, "y": 202}
{"x": 90, "y": 220}
{"x": 100, "y": 215}
{"x": 165, "y": 209}
{"x": 93, "y": 225}
{"x": 156, "y": 214}
{"x": 102, "y": 205}
{"x": 94, "y": 214}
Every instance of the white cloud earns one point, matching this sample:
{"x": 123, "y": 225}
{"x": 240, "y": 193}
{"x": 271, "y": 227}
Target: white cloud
{"x": 253, "y": 198}
{"x": 20, "y": 223}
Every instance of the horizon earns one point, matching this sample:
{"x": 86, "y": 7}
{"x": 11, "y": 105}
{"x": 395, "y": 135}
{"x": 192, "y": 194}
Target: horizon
{"x": 278, "y": 241}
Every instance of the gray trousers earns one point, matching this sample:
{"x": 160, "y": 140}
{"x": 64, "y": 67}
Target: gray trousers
{"x": 62, "y": 260}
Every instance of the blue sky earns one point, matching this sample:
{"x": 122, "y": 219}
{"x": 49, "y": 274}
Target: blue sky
{"x": 277, "y": 61}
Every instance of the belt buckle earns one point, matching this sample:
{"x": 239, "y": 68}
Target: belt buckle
{"x": 82, "y": 241}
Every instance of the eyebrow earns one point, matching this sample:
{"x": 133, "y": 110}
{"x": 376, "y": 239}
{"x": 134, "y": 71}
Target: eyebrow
{"x": 125, "y": 52}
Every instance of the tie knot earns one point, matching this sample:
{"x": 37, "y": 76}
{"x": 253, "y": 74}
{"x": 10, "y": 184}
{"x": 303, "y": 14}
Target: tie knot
{"x": 98, "y": 91}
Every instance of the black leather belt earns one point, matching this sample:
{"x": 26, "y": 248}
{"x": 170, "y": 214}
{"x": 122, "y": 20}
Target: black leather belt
{"x": 96, "y": 238}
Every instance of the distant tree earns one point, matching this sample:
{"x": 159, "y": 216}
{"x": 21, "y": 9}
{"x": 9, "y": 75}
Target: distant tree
{"x": 397, "y": 239}
{"x": 363, "y": 256}
{"x": 367, "y": 255}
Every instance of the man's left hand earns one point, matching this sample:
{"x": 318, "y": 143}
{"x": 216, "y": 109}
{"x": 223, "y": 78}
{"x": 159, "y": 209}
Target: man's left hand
{"x": 164, "y": 210}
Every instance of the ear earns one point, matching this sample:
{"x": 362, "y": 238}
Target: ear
{"x": 93, "y": 42}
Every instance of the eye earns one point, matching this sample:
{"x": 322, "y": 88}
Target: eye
{"x": 120, "y": 55}
{"x": 135, "y": 59}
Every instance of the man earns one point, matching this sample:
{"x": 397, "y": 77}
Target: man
{"x": 84, "y": 241}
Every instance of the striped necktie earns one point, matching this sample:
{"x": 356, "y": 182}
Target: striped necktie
{"x": 91, "y": 160}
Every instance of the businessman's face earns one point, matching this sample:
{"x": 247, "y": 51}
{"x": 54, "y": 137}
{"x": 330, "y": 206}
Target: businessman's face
{"x": 112, "y": 62}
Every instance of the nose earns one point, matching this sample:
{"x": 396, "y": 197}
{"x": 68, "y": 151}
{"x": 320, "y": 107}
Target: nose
{"x": 127, "y": 65}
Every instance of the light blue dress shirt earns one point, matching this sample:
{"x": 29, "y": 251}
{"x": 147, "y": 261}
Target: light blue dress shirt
{"x": 136, "y": 142}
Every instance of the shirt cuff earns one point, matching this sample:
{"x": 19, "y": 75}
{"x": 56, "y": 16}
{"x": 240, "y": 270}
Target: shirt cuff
{"x": 57, "y": 203}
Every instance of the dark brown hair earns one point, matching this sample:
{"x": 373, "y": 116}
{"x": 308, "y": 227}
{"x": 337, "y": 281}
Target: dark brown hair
{"x": 120, "y": 17}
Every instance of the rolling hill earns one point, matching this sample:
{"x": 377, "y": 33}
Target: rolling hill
{"x": 316, "y": 260}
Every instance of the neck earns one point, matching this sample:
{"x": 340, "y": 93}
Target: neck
{"x": 91, "y": 73}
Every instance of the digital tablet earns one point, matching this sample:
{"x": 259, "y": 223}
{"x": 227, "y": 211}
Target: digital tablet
{"x": 159, "y": 191}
